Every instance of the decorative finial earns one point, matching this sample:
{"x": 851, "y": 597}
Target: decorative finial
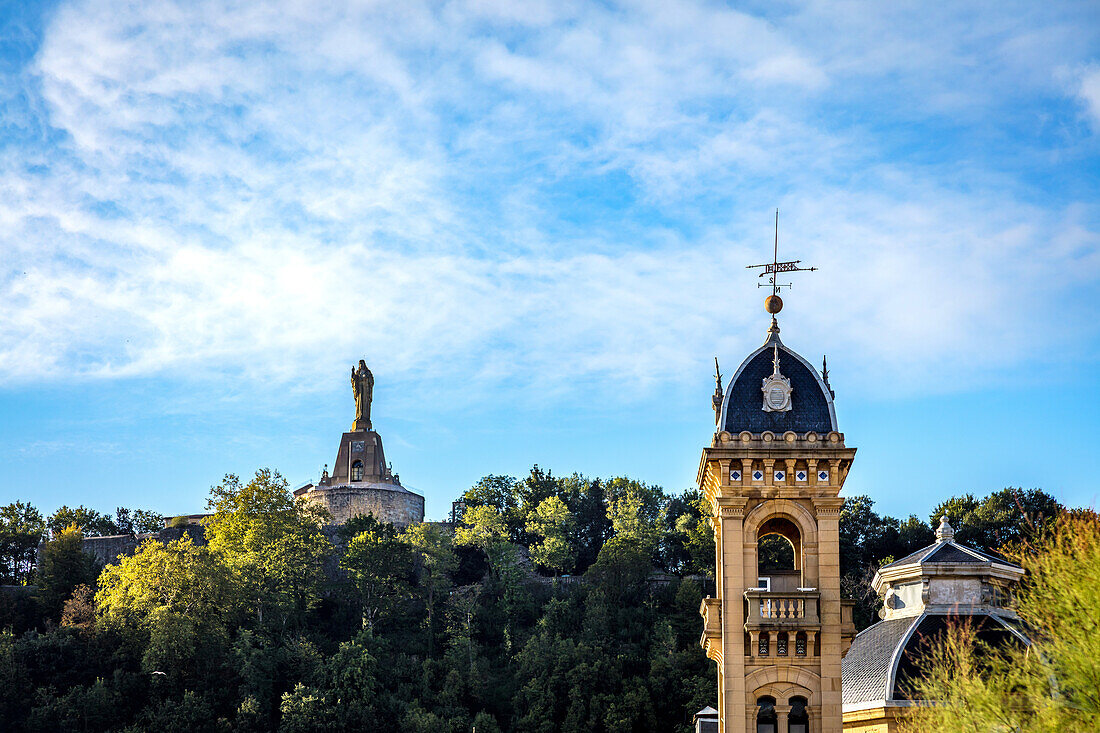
{"x": 945, "y": 531}
{"x": 776, "y": 388}
{"x": 324, "y": 473}
{"x": 825, "y": 376}
{"x": 716, "y": 400}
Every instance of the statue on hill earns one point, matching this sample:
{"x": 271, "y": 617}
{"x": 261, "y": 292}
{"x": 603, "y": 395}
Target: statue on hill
{"x": 362, "y": 384}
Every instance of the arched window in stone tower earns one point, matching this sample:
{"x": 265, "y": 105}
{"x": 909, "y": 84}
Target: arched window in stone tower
{"x": 357, "y": 471}
{"x": 798, "y": 720}
{"x": 765, "y": 715}
{"x": 779, "y": 555}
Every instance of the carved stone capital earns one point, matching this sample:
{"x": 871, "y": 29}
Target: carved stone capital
{"x": 828, "y": 506}
{"x": 732, "y": 507}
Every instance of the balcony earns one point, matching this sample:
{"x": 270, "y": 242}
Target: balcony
{"x": 711, "y": 641}
{"x": 782, "y": 609}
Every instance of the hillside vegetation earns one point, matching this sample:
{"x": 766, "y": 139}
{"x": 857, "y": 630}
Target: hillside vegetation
{"x": 557, "y": 604}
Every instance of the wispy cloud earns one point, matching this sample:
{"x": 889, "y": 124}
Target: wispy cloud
{"x": 1089, "y": 92}
{"x": 564, "y": 195}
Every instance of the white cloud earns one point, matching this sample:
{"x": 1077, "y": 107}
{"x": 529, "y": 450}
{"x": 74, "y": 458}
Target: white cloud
{"x": 565, "y": 196}
{"x": 1089, "y": 93}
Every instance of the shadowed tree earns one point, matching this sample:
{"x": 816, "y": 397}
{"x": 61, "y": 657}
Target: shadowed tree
{"x": 21, "y": 529}
{"x": 1001, "y": 521}
{"x": 64, "y": 566}
{"x": 381, "y": 567}
{"x": 436, "y": 559}
{"x": 90, "y": 522}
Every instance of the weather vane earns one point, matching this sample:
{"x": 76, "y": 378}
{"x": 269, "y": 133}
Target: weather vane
{"x": 773, "y": 303}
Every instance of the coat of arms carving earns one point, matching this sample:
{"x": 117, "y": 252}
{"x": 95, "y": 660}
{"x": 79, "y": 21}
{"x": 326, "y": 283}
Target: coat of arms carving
{"x": 777, "y": 388}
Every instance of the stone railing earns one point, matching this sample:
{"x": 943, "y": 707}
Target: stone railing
{"x": 794, "y": 609}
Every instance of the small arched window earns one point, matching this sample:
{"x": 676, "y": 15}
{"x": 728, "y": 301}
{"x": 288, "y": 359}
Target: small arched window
{"x": 357, "y": 471}
{"x": 798, "y": 720}
{"x": 765, "y": 716}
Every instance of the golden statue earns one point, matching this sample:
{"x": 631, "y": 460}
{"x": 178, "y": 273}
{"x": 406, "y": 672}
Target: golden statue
{"x": 362, "y": 383}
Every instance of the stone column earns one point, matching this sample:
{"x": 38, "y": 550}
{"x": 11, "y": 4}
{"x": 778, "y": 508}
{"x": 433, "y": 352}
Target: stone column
{"x": 781, "y": 713}
{"x": 828, "y": 538}
{"x": 731, "y": 512}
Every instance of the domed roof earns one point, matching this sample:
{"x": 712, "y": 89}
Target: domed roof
{"x": 811, "y": 401}
{"x": 885, "y": 659}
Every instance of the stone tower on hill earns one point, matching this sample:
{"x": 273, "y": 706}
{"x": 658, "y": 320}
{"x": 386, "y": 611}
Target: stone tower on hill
{"x": 773, "y": 471}
{"x": 361, "y": 481}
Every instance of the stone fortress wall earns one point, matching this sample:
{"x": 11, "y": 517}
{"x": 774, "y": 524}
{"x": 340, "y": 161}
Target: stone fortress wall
{"x": 398, "y": 507}
{"x": 108, "y": 549}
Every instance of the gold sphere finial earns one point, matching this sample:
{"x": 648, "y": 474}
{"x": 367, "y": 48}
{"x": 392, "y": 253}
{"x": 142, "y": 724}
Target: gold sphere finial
{"x": 773, "y": 304}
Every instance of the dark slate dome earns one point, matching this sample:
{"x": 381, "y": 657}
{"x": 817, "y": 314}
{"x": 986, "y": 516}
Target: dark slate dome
{"x": 811, "y": 401}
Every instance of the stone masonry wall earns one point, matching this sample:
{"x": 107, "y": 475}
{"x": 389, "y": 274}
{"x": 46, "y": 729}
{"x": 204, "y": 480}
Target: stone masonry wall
{"x": 400, "y": 508}
{"x": 108, "y": 549}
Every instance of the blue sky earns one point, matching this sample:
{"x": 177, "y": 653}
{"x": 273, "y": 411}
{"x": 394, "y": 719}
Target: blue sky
{"x": 532, "y": 220}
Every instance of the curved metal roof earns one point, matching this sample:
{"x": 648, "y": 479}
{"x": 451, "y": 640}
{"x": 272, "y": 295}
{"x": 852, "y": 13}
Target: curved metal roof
{"x": 886, "y": 658}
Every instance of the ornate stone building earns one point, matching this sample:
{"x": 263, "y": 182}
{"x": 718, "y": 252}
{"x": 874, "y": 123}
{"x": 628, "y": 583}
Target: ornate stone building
{"x": 774, "y": 469}
{"x": 922, "y": 594}
{"x": 361, "y": 481}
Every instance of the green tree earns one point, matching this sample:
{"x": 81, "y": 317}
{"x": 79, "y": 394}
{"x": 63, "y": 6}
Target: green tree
{"x": 633, "y": 509}
{"x": 64, "y": 566}
{"x": 538, "y": 486}
{"x": 436, "y": 558}
{"x": 502, "y": 492}
{"x": 177, "y": 577}
{"x": 493, "y": 490}
{"x": 90, "y": 522}
{"x": 587, "y": 500}
{"x": 1001, "y": 521}
{"x": 620, "y": 572}
{"x": 553, "y": 523}
{"x": 381, "y": 567}
{"x": 21, "y": 529}
{"x": 1054, "y": 685}
{"x": 484, "y": 527}
{"x": 347, "y": 697}
{"x": 272, "y": 544}
{"x": 137, "y": 521}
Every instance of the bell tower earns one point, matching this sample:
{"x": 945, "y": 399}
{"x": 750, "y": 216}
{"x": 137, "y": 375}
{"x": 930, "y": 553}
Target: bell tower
{"x": 773, "y": 473}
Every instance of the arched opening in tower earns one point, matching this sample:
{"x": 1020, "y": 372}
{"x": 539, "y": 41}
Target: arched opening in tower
{"x": 779, "y": 555}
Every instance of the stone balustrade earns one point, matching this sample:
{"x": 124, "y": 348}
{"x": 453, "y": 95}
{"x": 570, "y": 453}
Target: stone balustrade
{"x": 790, "y": 609}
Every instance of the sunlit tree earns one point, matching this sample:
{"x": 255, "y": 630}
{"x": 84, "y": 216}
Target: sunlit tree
{"x": 552, "y": 523}
{"x": 1052, "y": 686}
{"x": 272, "y": 544}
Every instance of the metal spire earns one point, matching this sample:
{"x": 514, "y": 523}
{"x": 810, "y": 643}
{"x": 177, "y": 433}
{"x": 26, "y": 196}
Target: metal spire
{"x": 773, "y": 303}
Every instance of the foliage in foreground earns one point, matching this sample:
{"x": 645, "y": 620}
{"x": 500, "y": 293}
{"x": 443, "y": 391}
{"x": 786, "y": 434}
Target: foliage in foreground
{"x": 1052, "y": 686}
